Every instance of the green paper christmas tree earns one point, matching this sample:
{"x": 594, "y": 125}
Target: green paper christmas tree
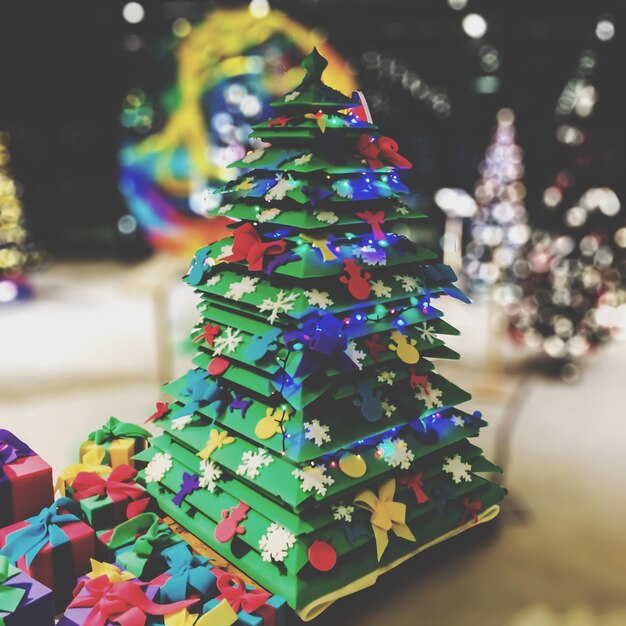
{"x": 314, "y": 445}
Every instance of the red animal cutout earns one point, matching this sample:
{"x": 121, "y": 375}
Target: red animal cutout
{"x": 229, "y": 526}
{"x": 418, "y": 381}
{"x": 356, "y": 279}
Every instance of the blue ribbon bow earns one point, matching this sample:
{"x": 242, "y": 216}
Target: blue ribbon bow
{"x": 186, "y": 570}
{"x": 41, "y": 529}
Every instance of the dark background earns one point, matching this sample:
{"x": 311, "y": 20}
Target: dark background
{"x": 65, "y": 71}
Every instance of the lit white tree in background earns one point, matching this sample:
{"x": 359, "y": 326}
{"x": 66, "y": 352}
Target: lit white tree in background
{"x": 499, "y": 228}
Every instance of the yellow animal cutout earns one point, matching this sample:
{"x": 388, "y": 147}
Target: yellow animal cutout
{"x": 404, "y": 347}
{"x": 270, "y": 425}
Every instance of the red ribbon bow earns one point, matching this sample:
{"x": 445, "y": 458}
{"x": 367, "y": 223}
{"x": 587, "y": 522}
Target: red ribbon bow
{"x": 471, "y": 508}
{"x": 118, "y": 486}
{"x": 233, "y": 590}
{"x": 415, "y": 482}
{"x": 247, "y": 245}
{"x": 123, "y": 603}
{"x": 374, "y": 220}
{"x": 376, "y": 148}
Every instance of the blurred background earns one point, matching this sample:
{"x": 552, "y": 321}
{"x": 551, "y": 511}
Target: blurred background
{"x": 116, "y": 116}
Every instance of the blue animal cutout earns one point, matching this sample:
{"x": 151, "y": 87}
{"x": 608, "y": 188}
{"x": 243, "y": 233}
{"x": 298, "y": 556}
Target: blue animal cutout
{"x": 369, "y": 401}
{"x": 261, "y": 345}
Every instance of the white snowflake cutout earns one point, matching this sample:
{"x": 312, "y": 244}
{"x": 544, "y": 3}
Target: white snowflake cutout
{"x": 328, "y": 217}
{"x": 180, "y": 423}
{"x": 426, "y": 331}
{"x": 457, "y": 420}
{"x": 157, "y": 467}
{"x": 395, "y": 452}
{"x": 252, "y": 462}
{"x": 459, "y": 469}
{"x": 210, "y": 473}
{"x": 224, "y": 209}
{"x": 275, "y": 543}
{"x": 355, "y": 355}
{"x": 227, "y": 341}
{"x": 388, "y": 407}
{"x": 409, "y": 283}
{"x": 316, "y": 432}
{"x": 280, "y": 189}
{"x": 253, "y": 156}
{"x": 213, "y": 280}
{"x": 313, "y": 478}
{"x": 342, "y": 511}
{"x": 430, "y": 396}
{"x": 290, "y": 97}
{"x": 225, "y": 251}
{"x": 342, "y": 188}
{"x": 380, "y": 289}
{"x": 304, "y": 159}
{"x": 320, "y": 299}
{"x": 283, "y": 303}
{"x": 238, "y": 290}
{"x": 386, "y": 376}
{"x": 268, "y": 215}
{"x": 402, "y": 210}
{"x": 370, "y": 255}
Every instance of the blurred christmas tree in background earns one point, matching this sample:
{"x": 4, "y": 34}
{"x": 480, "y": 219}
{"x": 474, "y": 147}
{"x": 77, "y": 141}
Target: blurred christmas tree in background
{"x": 572, "y": 280}
{"x": 17, "y": 254}
{"x": 499, "y": 229}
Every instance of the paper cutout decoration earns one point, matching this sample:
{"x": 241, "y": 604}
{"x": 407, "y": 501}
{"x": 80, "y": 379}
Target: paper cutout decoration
{"x": 283, "y": 303}
{"x": 430, "y": 396}
{"x": 241, "y": 404}
{"x": 352, "y": 465}
{"x": 416, "y": 380}
{"x": 162, "y": 409}
{"x": 276, "y": 543}
{"x": 322, "y": 556}
{"x": 320, "y": 299}
{"x": 189, "y": 484}
{"x": 408, "y": 283}
{"x": 228, "y": 341}
{"x": 404, "y": 348}
{"x": 369, "y": 402}
{"x": 272, "y": 424}
{"x": 415, "y": 482}
{"x": 218, "y": 365}
{"x": 217, "y": 439}
{"x": 321, "y": 243}
{"x": 230, "y": 526}
{"x": 210, "y": 473}
{"x": 356, "y": 279}
{"x": 471, "y": 509}
{"x": 208, "y": 334}
{"x": 374, "y": 347}
{"x": 237, "y": 290}
{"x": 157, "y": 467}
{"x": 316, "y": 432}
{"x": 314, "y": 478}
{"x": 253, "y": 462}
{"x": 260, "y": 346}
{"x": 396, "y": 453}
{"x": 342, "y": 511}
{"x": 355, "y": 530}
{"x": 387, "y": 515}
{"x": 374, "y": 220}
{"x": 457, "y": 468}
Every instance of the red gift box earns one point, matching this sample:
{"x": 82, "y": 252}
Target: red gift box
{"x": 25, "y": 481}
{"x": 55, "y": 551}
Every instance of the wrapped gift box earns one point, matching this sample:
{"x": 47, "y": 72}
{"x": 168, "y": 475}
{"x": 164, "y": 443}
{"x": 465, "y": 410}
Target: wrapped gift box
{"x": 25, "y": 481}
{"x": 54, "y": 548}
{"x": 108, "y": 501}
{"x": 100, "y": 602}
{"x": 253, "y": 606}
{"x": 188, "y": 576}
{"x": 137, "y": 545}
{"x": 119, "y": 440}
{"x": 23, "y": 600}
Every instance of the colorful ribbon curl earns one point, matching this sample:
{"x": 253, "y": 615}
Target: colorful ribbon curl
{"x": 248, "y": 246}
{"x": 43, "y": 528}
{"x": 186, "y": 570}
{"x": 233, "y": 589}
{"x": 92, "y": 463}
{"x": 118, "y": 486}
{"x": 115, "y": 429}
{"x": 10, "y": 597}
{"x": 376, "y": 148}
{"x": 123, "y": 603}
{"x": 386, "y": 515}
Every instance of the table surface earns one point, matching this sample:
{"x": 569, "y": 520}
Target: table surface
{"x": 84, "y": 349}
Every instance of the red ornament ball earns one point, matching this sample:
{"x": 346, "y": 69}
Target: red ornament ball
{"x": 218, "y": 366}
{"x": 322, "y": 556}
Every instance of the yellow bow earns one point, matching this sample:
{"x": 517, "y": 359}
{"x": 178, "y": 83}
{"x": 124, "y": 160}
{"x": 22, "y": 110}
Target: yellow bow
{"x": 113, "y": 573}
{"x": 386, "y": 515}
{"x": 91, "y": 463}
{"x": 220, "y": 615}
{"x": 217, "y": 439}
{"x": 321, "y": 243}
